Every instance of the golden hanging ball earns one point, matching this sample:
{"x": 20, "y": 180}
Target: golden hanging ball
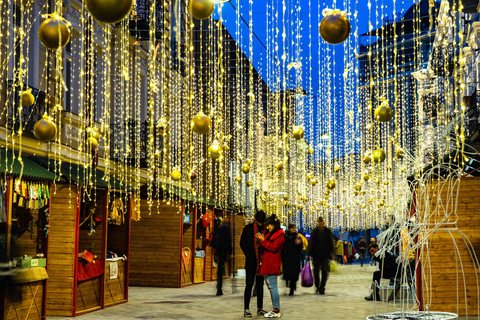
{"x": 45, "y": 130}
{"x": 96, "y": 134}
{"x": 192, "y": 175}
{"x": 366, "y": 177}
{"x": 380, "y": 204}
{"x": 201, "y": 123}
{"x": 249, "y": 162}
{"x": 249, "y": 183}
{"x": 313, "y": 182}
{"x": 331, "y": 184}
{"x": 355, "y": 193}
{"x": 383, "y": 113}
{"x": 310, "y": 150}
{"x": 336, "y": 168}
{"x": 238, "y": 179}
{"x": 92, "y": 143}
{"x": 279, "y": 166}
{"x": 245, "y": 168}
{"x": 304, "y": 199}
{"x": 260, "y": 172}
{"x": 215, "y": 150}
{"x": 298, "y": 132}
{"x": 358, "y": 187}
{"x": 54, "y": 32}
{"x": 309, "y": 176}
{"x": 285, "y": 197}
{"x": 367, "y": 159}
{"x": 335, "y": 28}
{"x": 109, "y": 11}
{"x": 300, "y": 207}
{"x": 157, "y": 155}
{"x": 176, "y": 175}
{"x": 201, "y": 9}
{"x": 27, "y": 98}
{"x": 378, "y": 155}
{"x": 399, "y": 153}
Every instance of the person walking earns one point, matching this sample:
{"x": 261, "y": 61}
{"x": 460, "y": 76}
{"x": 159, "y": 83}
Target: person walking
{"x": 372, "y": 261}
{"x": 321, "y": 249}
{"x": 362, "y": 246}
{"x": 272, "y": 245}
{"x": 304, "y": 248}
{"x": 349, "y": 252}
{"x": 339, "y": 251}
{"x": 291, "y": 256}
{"x": 223, "y": 247}
{"x": 252, "y": 250}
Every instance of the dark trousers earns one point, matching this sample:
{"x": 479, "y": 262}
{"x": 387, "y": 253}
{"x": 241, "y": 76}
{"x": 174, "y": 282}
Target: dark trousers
{"x": 220, "y": 269}
{"x": 362, "y": 255}
{"x": 250, "y": 279}
{"x": 320, "y": 263}
{"x": 304, "y": 257}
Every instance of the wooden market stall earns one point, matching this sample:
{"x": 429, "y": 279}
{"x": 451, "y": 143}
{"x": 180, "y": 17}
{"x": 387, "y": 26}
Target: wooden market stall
{"x": 24, "y": 220}
{"x": 450, "y": 210}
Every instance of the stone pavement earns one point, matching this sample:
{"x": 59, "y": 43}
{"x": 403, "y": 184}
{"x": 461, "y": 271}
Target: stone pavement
{"x": 344, "y": 299}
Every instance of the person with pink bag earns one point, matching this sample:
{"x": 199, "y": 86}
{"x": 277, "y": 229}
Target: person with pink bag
{"x": 272, "y": 245}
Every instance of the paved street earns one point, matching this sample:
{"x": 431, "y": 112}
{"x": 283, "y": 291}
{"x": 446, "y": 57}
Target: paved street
{"x": 344, "y": 299}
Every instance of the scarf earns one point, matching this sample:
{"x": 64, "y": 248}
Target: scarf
{"x": 256, "y": 244}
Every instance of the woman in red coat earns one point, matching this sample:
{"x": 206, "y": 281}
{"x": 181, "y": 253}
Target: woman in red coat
{"x": 272, "y": 245}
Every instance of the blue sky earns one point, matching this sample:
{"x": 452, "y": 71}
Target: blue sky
{"x": 322, "y": 62}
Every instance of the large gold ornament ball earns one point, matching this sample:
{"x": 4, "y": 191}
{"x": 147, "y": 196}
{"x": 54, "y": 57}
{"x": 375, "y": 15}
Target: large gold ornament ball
{"x": 109, "y": 11}
{"x": 366, "y": 177}
{"x": 45, "y": 130}
{"x": 201, "y": 9}
{"x": 54, "y": 32}
{"x": 176, "y": 175}
{"x": 298, "y": 132}
{"x": 92, "y": 143}
{"x": 399, "y": 153}
{"x": 27, "y": 98}
{"x": 245, "y": 168}
{"x": 335, "y": 28}
{"x": 383, "y": 113}
{"x": 215, "y": 150}
{"x": 331, "y": 184}
{"x": 367, "y": 159}
{"x": 378, "y": 155}
{"x": 249, "y": 183}
{"x": 201, "y": 124}
{"x": 279, "y": 166}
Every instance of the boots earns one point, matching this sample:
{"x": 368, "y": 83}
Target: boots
{"x": 375, "y": 296}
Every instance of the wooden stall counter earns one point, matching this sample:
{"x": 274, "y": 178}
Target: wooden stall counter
{"x": 115, "y": 273}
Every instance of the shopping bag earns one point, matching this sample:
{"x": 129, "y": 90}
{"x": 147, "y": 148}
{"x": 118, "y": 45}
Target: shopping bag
{"x": 307, "y": 278}
{"x": 333, "y": 265}
{"x": 345, "y": 260}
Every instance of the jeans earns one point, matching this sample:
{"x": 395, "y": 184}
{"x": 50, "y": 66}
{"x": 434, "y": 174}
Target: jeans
{"x": 273, "y": 287}
{"x": 250, "y": 279}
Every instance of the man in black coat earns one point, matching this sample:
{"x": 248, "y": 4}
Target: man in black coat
{"x": 388, "y": 268}
{"x": 223, "y": 247}
{"x": 321, "y": 249}
{"x": 252, "y": 250}
{"x": 291, "y": 256}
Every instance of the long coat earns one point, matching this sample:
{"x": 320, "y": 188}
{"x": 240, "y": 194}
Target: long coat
{"x": 291, "y": 256}
{"x": 272, "y": 251}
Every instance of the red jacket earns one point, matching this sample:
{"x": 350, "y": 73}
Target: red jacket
{"x": 271, "y": 257}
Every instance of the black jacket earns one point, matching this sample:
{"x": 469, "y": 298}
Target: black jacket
{"x": 223, "y": 241}
{"x": 291, "y": 256}
{"x": 387, "y": 263}
{"x": 321, "y": 243}
{"x": 247, "y": 241}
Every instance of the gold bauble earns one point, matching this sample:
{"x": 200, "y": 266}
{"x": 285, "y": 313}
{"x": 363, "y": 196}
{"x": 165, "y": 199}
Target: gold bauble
{"x": 192, "y": 175}
{"x": 380, "y": 204}
{"x": 201, "y": 123}
{"x": 260, "y": 172}
{"x": 27, "y": 98}
{"x": 335, "y": 28}
{"x": 249, "y": 183}
{"x": 309, "y": 176}
{"x": 92, "y": 143}
{"x": 96, "y": 134}
{"x": 279, "y": 166}
{"x": 201, "y": 9}
{"x": 313, "y": 181}
{"x": 331, "y": 184}
{"x": 215, "y": 150}
{"x": 399, "y": 153}
{"x": 366, "y": 177}
{"x": 285, "y": 197}
{"x": 238, "y": 179}
{"x": 336, "y": 168}
{"x": 378, "y": 155}
{"x": 45, "y": 130}
{"x": 300, "y": 207}
{"x": 298, "y": 132}
{"x": 310, "y": 150}
{"x": 383, "y": 113}
{"x": 109, "y": 11}
{"x": 358, "y": 187}
{"x": 225, "y": 147}
{"x": 304, "y": 199}
{"x": 157, "y": 155}
{"x": 367, "y": 159}
{"x": 245, "y": 168}
{"x": 355, "y": 193}
{"x": 54, "y": 32}
{"x": 176, "y": 175}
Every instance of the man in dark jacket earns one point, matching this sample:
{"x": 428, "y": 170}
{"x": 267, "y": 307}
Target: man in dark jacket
{"x": 388, "y": 268}
{"x": 321, "y": 249}
{"x": 362, "y": 246}
{"x": 252, "y": 250}
{"x": 223, "y": 246}
{"x": 291, "y": 256}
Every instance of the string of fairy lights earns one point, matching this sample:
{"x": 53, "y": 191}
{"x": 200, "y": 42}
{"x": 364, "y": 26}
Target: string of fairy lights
{"x": 178, "y": 106}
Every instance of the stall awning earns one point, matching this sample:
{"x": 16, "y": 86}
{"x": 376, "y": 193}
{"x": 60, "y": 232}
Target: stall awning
{"x": 84, "y": 175}
{"x": 11, "y": 165}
